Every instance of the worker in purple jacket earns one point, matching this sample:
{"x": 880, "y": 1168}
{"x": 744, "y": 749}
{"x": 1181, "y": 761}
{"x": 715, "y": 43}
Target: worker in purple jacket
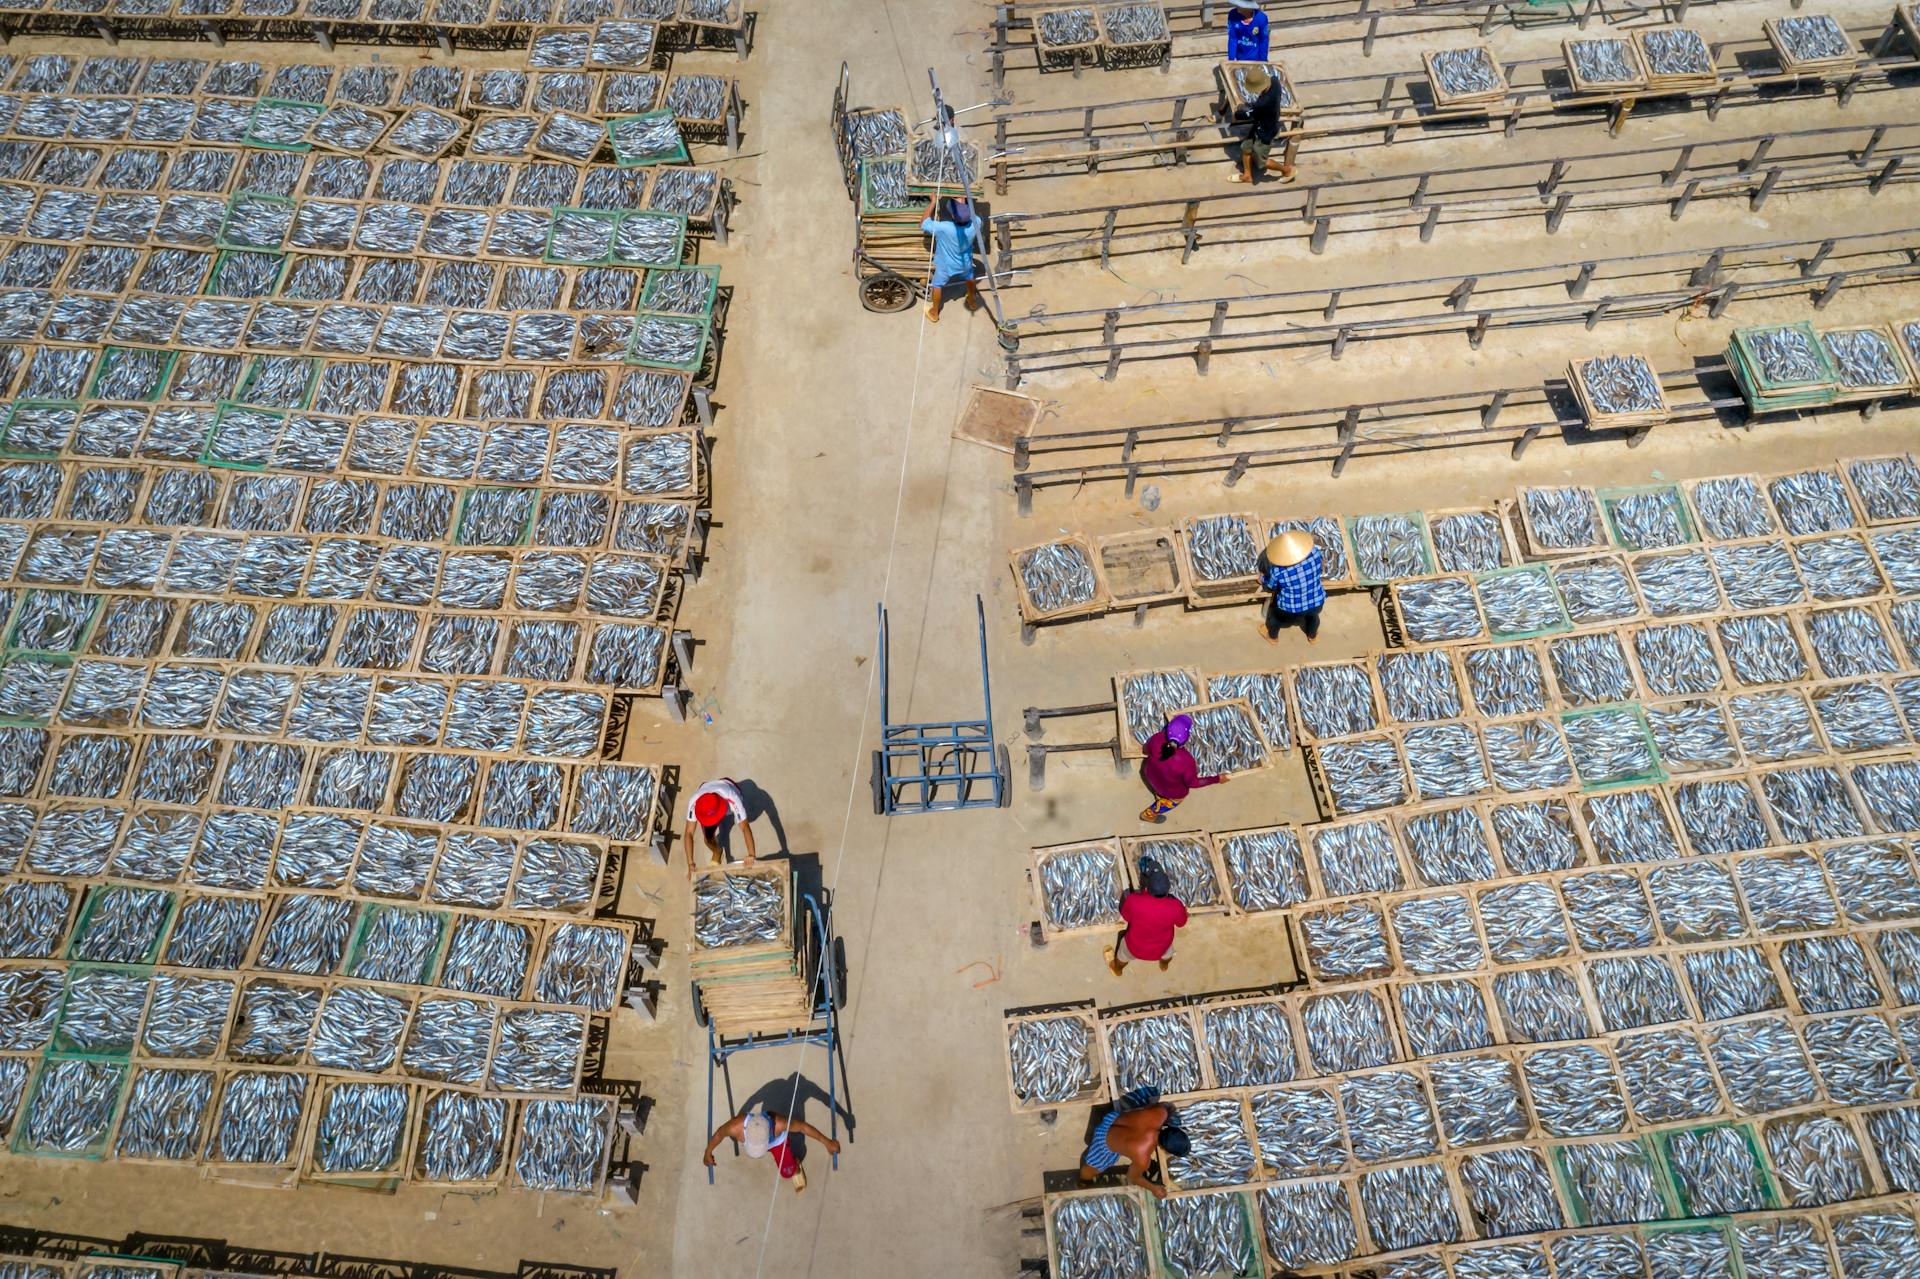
{"x": 1169, "y": 770}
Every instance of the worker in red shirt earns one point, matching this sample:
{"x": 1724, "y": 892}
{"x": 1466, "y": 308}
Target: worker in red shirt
{"x": 1169, "y": 770}
{"x": 1151, "y": 919}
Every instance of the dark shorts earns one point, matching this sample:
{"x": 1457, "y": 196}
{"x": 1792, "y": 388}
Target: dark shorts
{"x": 1251, "y": 146}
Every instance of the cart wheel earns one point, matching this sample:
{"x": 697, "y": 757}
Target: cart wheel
{"x": 699, "y": 1007}
{"x": 878, "y": 780}
{"x": 886, "y": 293}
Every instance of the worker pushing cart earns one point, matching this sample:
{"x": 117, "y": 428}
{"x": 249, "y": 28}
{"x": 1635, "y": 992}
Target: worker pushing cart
{"x": 954, "y": 230}
{"x": 765, "y": 1133}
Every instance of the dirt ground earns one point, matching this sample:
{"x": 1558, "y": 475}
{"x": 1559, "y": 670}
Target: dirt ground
{"x": 838, "y": 486}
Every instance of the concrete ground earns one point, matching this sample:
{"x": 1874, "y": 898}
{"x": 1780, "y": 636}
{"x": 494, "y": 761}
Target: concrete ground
{"x": 838, "y": 486}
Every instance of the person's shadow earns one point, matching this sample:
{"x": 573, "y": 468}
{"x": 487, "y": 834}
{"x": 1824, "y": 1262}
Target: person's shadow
{"x": 791, "y": 1097}
{"x": 760, "y": 804}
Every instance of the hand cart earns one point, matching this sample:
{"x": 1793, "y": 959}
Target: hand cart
{"x": 942, "y": 765}
{"x": 816, "y": 955}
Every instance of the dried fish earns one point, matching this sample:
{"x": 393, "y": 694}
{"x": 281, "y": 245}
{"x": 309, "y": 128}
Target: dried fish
{"x": 1762, "y": 1066}
{"x": 1419, "y": 686}
{"x": 1817, "y": 1159}
{"x": 1879, "y": 1244}
{"x": 1526, "y": 755}
{"x": 1099, "y": 1235}
{"x": 1436, "y": 609}
{"x": 1675, "y": 584}
{"x": 1436, "y": 935}
{"x": 1732, "y": 981}
{"x": 359, "y": 1029}
{"x": 1221, "y": 1150}
{"x": 1264, "y": 869}
{"x": 1058, "y": 575}
{"x": 1510, "y": 1192}
{"x": 165, "y": 1114}
{"x": 584, "y": 965}
{"x": 1157, "y": 1052}
{"x": 1221, "y": 548}
{"x": 1613, "y": 1182}
{"x": 538, "y": 1050}
{"x": 564, "y": 1145}
{"x": 1594, "y": 591}
{"x": 362, "y": 1128}
{"x": 186, "y": 1016}
{"x": 1298, "y": 1131}
{"x": 1716, "y": 1171}
{"x": 1610, "y": 745}
{"x": 1575, "y": 1092}
{"x": 1562, "y": 519}
{"x": 462, "y": 1138}
{"x": 1335, "y": 700}
{"x": 1265, "y": 692}
{"x": 1720, "y": 816}
{"x": 1639, "y": 991}
{"x": 72, "y": 1105}
{"x": 1346, "y": 941}
{"x": 1306, "y": 1223}
{"x": 1829, "y": 974}
{"x": 1388, "y": 1117}
{"x": 1506, "y": 680}
{"x": 1891, "y": 792}
{"x": 1690, "y": 1254}
{"x": 259, "y": 1118}
{"x": 1468, "y": 541}
{"x": 1206, "y": 1235}
{"x": 1386, "y": 547}
{"x": 1813, "y": 38}
{"x": 1409, "y": 1206}
{"x": 1449, "y": 846}
{"x": 1889, "y": 487}
{"x": 1522, "y": 923}
{"x": 1649, "y": 520}
{"x": 1541, "y": 1004}
{"x": 1788, "y": 1247}
{"x": 1785, "y": 892}
{"x": 1150, "y": 698}
{"x": 1667, "y": 1076}
{"x": 1051, "y": 1059}
{"x": 1346, "y": 1031}
{"x": 1810, "y": 803}
{"x": 1592, "y": 668}
{"x": 1444, "y": 1017}
{"x": 1838, "y": 568}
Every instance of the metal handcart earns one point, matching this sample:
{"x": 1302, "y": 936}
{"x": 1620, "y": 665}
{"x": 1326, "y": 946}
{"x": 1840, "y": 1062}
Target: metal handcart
{"x": 816, "y": 956}
{"x": 941, "y": 765}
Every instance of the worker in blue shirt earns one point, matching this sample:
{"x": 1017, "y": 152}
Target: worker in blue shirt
{"x": 1290, "y": 570}
{"x": 955, "y": 231}
{"x": 1246, "y": 34}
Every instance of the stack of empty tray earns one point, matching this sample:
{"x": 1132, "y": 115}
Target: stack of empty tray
{"x": 749, "y": 973}
{"x": 1465, "y": 77}
{"x": 1782, "y": 366}
{"x": 1810, "y": 44}
{"x": 1618, "y": 391}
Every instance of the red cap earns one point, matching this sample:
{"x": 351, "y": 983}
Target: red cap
{"x": 709, "y": 809}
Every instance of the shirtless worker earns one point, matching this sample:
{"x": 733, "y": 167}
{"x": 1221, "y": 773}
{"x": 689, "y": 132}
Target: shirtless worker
{"x": 764, "y": 1133}
{"x": 1132, "y": 1131}
{"x": 709, "y": 806}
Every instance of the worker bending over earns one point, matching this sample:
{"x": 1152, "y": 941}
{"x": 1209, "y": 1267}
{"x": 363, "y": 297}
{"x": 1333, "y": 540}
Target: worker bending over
{"x": 1169, "y": 769}
{"x": 1257, "y": 147}
{"x": 710, "y": 806}
{"x": 764, "y": 1133}
{"x": 1132, "y": 1131}
{"x": 1290, "y": 571}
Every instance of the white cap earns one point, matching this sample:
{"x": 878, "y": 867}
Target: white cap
{"x": 757, "y": 1131}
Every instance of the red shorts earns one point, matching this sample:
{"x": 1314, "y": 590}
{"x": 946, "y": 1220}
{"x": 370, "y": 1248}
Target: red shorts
{"x": 784, "y": 1159}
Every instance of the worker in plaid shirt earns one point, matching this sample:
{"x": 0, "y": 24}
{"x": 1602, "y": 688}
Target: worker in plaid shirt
{"x": 1290, "y": 570}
